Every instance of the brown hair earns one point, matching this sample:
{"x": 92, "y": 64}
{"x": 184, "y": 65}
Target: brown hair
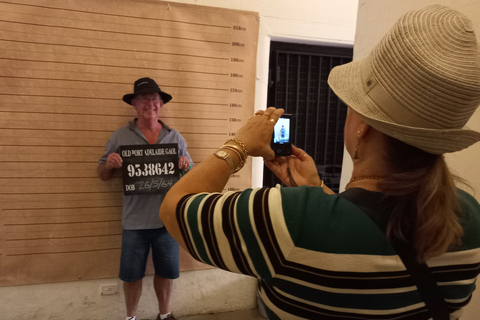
{"x": 426, "y": 208}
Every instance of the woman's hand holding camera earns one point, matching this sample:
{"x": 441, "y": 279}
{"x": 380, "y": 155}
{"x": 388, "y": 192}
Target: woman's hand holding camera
{"x": 257, "y": 132}
{"x": 302, "y": 169}
{"x": 256, "y": 135}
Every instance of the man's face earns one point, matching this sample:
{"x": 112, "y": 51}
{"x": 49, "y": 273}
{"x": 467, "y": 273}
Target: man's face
{"x": 147, "y": 105}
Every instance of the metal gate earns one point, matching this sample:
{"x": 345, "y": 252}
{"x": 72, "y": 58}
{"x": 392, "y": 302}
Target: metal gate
{"x": 298, "y": 83}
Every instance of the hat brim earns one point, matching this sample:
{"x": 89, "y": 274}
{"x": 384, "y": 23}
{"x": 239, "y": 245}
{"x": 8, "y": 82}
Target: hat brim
{"x": 346, "y": 82}
{"x": 165, "y": 96}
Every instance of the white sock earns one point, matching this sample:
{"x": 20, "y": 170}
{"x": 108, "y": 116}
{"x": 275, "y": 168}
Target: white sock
{"x": 164, "y": 316}
{"x": 130, "y": 318}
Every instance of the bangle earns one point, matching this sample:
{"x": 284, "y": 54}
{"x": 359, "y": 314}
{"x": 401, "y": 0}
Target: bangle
{"x": 238, "y": 142}
{"x": 239, "y": 155}
{"x": 237, "y": 146}
{"x": 222, "y": 154}
{"x": 238, "y": 152}
{"x": 321, "y": 186}
{"x": 237, "y": 149}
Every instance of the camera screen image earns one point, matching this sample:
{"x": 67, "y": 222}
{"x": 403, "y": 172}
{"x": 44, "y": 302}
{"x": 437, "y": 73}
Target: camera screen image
{"x": 281, "y": 132}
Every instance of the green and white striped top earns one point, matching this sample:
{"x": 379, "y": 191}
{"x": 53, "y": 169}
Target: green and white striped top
{"x": 319, "y": 256}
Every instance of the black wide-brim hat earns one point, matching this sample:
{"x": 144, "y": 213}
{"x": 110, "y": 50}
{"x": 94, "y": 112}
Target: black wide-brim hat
{"x": 146, "y": 85}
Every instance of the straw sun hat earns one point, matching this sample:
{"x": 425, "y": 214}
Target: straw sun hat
{"x": 421, "y": 83}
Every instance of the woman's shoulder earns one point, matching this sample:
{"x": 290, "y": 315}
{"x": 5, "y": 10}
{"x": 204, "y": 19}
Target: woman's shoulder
{"x": 466, "y": 198}
{"x": 308, "y": 197}
{"x": 470, "y": 219}
{"x": 317, "y": 197}
{"x": 332, "y": 223}
{"x": 469, "y": 208}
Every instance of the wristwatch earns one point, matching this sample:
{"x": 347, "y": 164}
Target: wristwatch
{"x": 222, "y": 154}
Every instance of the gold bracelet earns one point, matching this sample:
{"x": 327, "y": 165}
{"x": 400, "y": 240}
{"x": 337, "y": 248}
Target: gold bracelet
{"x": 237, "y": 149}
{"x": 239, "y": 143}
{"x": 321, "y": 186}
{"x": 237, "y": 152}
{"x": 222, "y": 154}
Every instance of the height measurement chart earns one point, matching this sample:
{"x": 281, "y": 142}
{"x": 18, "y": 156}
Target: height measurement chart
{"x": 64, "y": 66}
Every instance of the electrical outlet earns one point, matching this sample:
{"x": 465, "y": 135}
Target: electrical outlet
{"x": 106, "y": 289}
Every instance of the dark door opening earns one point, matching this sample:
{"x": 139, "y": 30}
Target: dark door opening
{"x": 298, "y": 83}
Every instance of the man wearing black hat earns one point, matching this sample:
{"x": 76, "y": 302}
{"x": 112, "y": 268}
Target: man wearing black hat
{"x": 142, "y": 227}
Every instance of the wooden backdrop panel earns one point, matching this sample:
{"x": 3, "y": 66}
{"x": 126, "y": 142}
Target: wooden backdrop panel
{"x": 64, "y": 67}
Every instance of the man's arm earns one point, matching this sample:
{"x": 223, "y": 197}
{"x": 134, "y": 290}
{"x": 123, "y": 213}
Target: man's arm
{"x": 105, "y": 170}
{"x": 103, "y": 173}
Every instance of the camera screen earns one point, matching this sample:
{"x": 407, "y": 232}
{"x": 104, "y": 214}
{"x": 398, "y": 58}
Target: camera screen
{"x": 281, "y": 130}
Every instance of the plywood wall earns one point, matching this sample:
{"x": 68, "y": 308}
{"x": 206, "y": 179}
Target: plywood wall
{"x": 64, "y": 67}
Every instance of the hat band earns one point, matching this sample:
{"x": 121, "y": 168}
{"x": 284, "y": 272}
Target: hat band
{"x": 394, "y": 110}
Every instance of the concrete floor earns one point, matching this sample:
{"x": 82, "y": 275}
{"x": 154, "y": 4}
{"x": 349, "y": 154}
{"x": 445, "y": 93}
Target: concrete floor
{"x": 251, "y": 314}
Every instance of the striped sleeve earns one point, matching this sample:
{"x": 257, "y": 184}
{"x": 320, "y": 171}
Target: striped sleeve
{"x": 318, "y": 256}
{"x": 223, "y": 230}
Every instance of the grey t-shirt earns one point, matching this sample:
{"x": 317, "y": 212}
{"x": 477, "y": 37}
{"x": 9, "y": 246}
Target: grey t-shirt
{"x": 141, "y": 211}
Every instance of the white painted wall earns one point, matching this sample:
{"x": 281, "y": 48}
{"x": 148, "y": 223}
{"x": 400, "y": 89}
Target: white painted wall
{"x": 205, "y": 291}
{"x": 375, "y": 18}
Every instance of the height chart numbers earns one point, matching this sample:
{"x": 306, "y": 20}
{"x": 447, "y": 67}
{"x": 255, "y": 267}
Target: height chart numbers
{"x": 239, "y": 106}
{"x": 238, "y": 75}
{"x": 149, "y": 168}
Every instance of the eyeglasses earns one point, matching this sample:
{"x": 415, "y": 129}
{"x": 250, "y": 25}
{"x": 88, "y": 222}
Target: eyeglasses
{"x": 146, "y": 100}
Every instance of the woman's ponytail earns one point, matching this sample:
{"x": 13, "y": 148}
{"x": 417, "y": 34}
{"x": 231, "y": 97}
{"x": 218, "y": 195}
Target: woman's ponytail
{"x": 426, "y": 210}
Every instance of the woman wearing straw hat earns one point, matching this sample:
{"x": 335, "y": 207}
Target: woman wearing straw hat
{"x": 402, "y": 242}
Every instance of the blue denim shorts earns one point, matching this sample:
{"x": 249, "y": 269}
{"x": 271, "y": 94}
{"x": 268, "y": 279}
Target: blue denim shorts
{"x": 136, "y": 245}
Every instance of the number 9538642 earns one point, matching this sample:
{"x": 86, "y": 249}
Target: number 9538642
{"x": 150, "y": 169}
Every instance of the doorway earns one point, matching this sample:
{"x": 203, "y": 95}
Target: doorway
{"x": 298, "y": 83}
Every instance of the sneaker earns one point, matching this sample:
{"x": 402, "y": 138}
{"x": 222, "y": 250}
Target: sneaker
{"x": 170, "y": 316}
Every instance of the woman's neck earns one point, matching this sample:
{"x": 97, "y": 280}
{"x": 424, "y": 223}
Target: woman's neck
{"x": 368, "y": 171}
{"x": 365, "y": 182}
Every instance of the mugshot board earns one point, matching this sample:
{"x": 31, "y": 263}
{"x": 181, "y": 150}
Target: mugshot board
{"x": 65, "y": 66}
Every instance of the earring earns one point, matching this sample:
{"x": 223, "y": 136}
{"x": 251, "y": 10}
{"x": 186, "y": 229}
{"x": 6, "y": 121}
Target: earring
{"x": 355, "y": 152}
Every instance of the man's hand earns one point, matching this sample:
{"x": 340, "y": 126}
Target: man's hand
{"x": 183, "y": 163}
{"x": 105, "y": 170}
{"x": 114, "y": 160}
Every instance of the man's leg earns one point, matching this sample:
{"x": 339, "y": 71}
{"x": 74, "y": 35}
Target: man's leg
{"x": 133, "y": 291}
{"x": 165, "y": 257}
{"x": 135, "y": 248}
{"x": 163, "y": 289}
